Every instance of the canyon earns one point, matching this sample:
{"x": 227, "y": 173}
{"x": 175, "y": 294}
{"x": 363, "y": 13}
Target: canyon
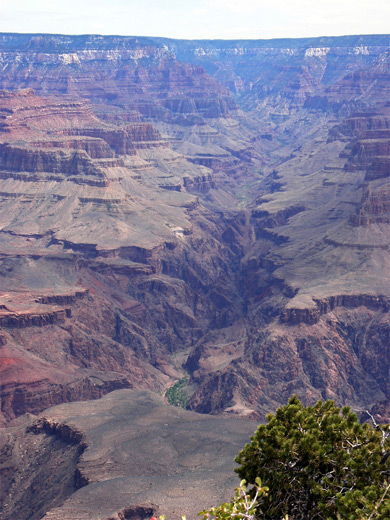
{"x": 213, "y": 211}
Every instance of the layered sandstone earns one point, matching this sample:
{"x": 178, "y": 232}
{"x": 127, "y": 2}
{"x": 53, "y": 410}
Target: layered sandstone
{"x": 374, "y": 208}
{"x": 176, "y": 96}
{"x": 136, "y": 190}
{"x": 350, "y": 301}
{"x": 365, "y": 151}
{"x": 322, "y": 237}
{"x": 296, "y": 225}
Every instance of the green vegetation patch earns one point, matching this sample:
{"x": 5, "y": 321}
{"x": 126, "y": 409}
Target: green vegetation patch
{"x": 176, "y": 394}
{"x": 319, "y": 462}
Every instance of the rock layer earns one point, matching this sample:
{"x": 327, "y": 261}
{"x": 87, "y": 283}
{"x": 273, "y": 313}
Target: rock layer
{"x": 246, "y": 247}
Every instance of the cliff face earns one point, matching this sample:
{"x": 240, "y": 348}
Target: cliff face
{"x": 144, "y": 79}
{"x": 131, "y": 70}
{"x": 323, "y": 234}
{"x": 116, "y": 298}
{"x": 150, "y": 225}
{"x": 135, "y": 83}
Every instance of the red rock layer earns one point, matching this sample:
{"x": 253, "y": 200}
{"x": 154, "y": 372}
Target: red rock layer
{"x": 365, "y": 151}
{"x": 162, "y": 88}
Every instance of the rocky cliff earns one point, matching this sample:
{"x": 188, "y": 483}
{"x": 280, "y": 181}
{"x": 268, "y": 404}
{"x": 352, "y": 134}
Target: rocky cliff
{"x": 218, "y": 210}
{"x": 66, "y": 173}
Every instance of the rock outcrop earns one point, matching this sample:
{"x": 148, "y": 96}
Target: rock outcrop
{"x": 374, "y": 208}
{"x": 348, "y": 301}
{"x": 26, "y": 159}
{"x": 69, "y": 171}
{"x": 365, "y": 151}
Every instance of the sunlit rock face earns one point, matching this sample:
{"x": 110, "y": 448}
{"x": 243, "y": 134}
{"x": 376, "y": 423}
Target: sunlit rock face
{"x": 218, "y": 210}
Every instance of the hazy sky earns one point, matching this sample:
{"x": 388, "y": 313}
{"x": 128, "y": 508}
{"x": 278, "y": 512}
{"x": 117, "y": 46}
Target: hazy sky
{"x": 198, "y": 18}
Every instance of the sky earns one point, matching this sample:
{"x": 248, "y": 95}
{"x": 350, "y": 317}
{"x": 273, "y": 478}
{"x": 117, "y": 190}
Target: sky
{"x": 198, "y": 19}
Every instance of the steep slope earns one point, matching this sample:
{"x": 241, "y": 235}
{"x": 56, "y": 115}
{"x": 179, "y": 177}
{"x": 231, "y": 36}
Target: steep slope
{"x": 280, "y": 75}
{"x": 133, "y": 79}
{"x": 159, "y": 227}
{"x": 99, "y": 282}
{"x": 322, "y": 234}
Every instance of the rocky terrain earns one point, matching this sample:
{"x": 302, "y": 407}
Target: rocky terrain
{"x": 92, "y": 293}
{"x": 125, "y": 456}
{"x": 215, "y": 209}
{"x": 212, "y": 210}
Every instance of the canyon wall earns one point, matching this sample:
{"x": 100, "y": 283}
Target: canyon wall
{"x": 212, "y": 210}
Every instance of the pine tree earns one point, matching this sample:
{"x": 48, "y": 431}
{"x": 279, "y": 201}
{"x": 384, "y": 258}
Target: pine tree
{"x": 319, "y": 462}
